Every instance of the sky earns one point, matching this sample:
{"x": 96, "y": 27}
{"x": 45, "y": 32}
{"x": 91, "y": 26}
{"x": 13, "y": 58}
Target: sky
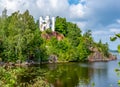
{"x": 102, "y": 17}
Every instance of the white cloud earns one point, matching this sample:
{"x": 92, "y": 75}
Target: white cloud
{"x": 44, "y": 7}
{"x": 77, "y": 11}
{"x": 52, "y": 7}
{"x": 100, "y": 32}
{"x": 14, "y": 5}
{"x": 115, "y": 30}
{"x": 9, "y": 4}
{"x": 118, "y": 21}
{"x": 81, "y": 24}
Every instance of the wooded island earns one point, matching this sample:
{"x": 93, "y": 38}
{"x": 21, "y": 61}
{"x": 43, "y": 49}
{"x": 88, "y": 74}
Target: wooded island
{"x": 21, "y": 40}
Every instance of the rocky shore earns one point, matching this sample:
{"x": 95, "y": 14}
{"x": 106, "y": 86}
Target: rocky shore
{"x": 99, "y": 59}
{"x": 97, "y": 56}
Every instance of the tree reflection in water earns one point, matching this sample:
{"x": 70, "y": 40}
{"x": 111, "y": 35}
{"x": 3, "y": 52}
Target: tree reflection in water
{"x": 68, "y": 75}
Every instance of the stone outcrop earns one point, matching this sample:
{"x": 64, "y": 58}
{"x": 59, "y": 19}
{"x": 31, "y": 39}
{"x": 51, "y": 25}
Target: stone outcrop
{"x": 55, "y": 34}
{"x": 53, "y": 59}
{"x": 97, "y": 56}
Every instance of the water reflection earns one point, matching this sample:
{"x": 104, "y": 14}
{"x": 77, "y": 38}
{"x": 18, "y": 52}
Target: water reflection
{"x": 83, "y": 74}
{"x": 74, "y": 74}
{"x": 68, "y": 75}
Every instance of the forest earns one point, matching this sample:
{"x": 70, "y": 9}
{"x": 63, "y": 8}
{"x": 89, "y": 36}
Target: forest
{"x": 20, "y": 38}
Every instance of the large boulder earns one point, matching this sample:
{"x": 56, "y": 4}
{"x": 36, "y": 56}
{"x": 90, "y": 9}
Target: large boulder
{"x": 52, "y": 59}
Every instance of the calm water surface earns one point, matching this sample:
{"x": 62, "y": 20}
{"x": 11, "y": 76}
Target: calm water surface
{"x": 83, "y": 74}
{"x": 102, "y": 74}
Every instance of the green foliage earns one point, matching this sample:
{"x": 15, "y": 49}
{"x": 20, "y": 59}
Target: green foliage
{"x": 20, "y": 39}
{"x": 117, "y": 70}
{"x": 118, "y": 35}
{"x": 48, "y": 31}
{"x": 9, "y": 78}
{"x": 119, "y": 48}
{"x": 83, "y": 51}
{"x": 93, "y": 84}
{"x": 21, "y": 77}
{"x": 60, "y": 25}
{"x": 88, "y": 40}
{"x": 69, "y": 30}
{"x": 114, "y": 38}
{"x": 66, "y": 51}
{"x": 103, "y": 48}
{"x": 73, "y": 33}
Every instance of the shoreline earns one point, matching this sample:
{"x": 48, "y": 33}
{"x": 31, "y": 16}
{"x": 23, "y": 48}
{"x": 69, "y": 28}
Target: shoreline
{"x": 7, "y": 64}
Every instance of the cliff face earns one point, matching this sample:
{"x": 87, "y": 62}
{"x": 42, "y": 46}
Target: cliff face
{"x": 97, "y": 56}
{"x": 55, "y": 34}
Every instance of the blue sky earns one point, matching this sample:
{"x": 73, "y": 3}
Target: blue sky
{"x": 73, "y": 1}
{"x": 101, "y": 16}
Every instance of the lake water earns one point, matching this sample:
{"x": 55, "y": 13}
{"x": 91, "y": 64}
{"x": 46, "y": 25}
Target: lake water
{"x": 102, "y": 74}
